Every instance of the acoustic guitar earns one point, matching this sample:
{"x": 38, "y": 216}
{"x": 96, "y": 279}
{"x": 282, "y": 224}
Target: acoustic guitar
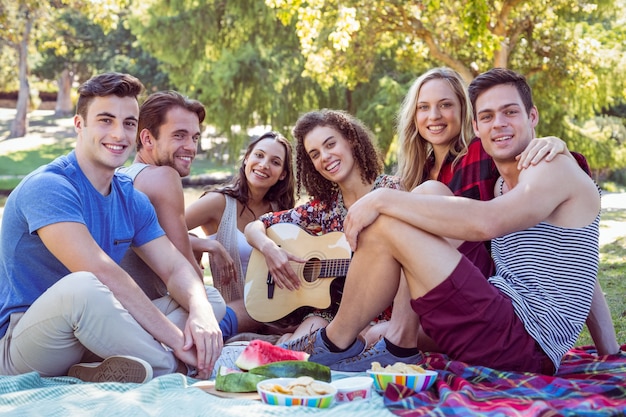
{"x": 328, "y": 257}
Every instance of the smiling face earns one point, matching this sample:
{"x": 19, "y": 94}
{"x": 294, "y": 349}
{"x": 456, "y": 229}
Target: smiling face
{"x": 106, "y": 137}
{"x": 177, "y": 142}
{"x": 502, "y": 123}
{"x": 331, "y": 154}
{"x": 438, "y": 115}
{"x": 264, "y": 166}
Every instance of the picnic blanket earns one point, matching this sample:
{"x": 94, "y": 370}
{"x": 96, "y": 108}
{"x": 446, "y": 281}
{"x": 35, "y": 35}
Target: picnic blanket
{"x": 586, "y": 385}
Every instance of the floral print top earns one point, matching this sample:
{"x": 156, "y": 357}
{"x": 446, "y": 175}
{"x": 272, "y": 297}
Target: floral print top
{"x": 318, "y": 217}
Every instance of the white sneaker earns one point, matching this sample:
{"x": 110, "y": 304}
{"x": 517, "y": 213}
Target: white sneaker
{"x": 113, "y": 369}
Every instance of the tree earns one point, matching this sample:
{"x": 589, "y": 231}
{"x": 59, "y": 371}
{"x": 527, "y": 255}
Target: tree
{"x": 570, "y": 51}
{"x": 236, "y": 58}
{"x": 361, "y": 55}
{"x": 15, "y": 31}
{"x": 79, "y": 47}
{"x": 21, "y": 21}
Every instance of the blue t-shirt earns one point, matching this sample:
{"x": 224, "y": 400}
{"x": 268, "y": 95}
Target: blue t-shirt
{"x": 60, "y": 192}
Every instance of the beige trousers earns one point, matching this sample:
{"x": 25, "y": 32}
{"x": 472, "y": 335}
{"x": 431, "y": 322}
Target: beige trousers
{"x": 78, "y": 319}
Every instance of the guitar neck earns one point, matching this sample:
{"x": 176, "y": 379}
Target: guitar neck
{"x": 334, "y": 268}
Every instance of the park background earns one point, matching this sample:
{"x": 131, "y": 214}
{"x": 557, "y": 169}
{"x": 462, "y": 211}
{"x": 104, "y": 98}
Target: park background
{"x": 258, "y": 64}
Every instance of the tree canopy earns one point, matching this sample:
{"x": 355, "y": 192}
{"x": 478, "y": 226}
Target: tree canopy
{"x": 264, "y": 62}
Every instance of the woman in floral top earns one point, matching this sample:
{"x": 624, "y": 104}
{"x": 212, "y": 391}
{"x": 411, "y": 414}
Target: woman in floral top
{"x": 337, "y": 163}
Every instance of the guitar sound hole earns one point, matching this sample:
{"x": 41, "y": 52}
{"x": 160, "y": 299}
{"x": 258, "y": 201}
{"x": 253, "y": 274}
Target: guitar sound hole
{"x": 312, "y": 270}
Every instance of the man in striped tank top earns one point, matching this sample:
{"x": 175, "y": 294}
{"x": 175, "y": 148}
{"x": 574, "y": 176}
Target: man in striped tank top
{"x": 544, "y": 231}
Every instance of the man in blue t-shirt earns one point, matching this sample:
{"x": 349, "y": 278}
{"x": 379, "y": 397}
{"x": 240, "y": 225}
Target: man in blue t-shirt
{"x": 64, "y": 299}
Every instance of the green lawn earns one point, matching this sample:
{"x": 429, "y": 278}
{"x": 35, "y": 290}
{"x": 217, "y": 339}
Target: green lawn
{"x": 59, "y": 136}
{"x": 17, "y": 164}
{"x": 611, "y": 275}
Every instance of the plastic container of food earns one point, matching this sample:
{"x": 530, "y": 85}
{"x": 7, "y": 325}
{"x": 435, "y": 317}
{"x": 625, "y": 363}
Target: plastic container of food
{"x": 353, "y": 388}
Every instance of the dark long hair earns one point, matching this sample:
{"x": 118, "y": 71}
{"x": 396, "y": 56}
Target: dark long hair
{"x": 282, "y": 193}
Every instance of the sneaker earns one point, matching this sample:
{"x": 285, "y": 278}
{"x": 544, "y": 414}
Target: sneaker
{"x": 315, "y": 346}
{"x": 377, "y": 353}
{"x": 249, "y": 336}
{"x": 113, "y": 369}
{"x": 230, "y": 353}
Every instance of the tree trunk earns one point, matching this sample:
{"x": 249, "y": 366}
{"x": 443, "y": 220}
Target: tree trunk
{"x": 19, "y": 126}
{"x": 64, "y": 106}
{"x": 501, "y": 56}
{"x": 349, "y": 102}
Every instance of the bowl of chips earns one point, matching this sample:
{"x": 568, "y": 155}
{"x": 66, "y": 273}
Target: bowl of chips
{"x": 302, "y": 391}
{"x": 412, "y": 376}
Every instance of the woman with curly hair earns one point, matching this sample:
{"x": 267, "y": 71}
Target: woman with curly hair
{"x": 264, "y": 183}
{"x": 337, "y": 163}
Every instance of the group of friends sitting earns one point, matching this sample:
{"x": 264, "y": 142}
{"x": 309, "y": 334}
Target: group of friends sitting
{"x": 482, "y": 246}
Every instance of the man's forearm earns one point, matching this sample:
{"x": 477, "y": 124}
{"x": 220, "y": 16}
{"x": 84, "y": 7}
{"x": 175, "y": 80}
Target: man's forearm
{"x": 600, "y": 324}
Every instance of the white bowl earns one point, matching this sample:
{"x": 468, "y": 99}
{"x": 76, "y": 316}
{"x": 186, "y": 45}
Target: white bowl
{"x": 353, "y": 388}
{"x": 417, "y": 382}
{"x": 275, "y": 398}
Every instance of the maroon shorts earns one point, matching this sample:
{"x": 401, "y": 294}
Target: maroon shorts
{"x": 478, "y": 254}
{"x": 473, "y": 322}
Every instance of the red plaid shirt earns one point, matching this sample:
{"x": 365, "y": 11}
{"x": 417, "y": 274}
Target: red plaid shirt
{"x": 475, "y": 175}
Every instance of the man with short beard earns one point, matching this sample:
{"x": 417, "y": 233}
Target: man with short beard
{"x": 167, "y": 138}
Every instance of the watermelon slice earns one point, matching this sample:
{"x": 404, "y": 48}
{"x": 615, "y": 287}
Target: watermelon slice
{"x": 260, "y": 352}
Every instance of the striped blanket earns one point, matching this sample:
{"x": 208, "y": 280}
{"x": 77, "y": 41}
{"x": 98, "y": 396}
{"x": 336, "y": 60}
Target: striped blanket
{"x": 586, "y": 385}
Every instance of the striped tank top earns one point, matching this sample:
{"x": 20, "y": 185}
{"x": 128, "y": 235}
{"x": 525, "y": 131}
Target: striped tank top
{"x": 549, "y": 273}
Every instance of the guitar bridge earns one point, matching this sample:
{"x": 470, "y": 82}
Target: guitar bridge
{"x": 270, "y": 286}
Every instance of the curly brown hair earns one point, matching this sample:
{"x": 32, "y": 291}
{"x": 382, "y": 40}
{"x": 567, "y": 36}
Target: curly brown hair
{"x": 364, "y": 151}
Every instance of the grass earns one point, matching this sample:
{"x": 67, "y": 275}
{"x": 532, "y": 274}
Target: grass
{"x": 611, "y": 276}
{"x": 59, "y": 139}
{"x": 16, "y": 164}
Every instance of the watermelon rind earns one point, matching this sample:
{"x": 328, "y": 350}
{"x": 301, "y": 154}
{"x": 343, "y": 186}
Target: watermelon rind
{"x": 293, "y": 369}
{"x": 232, "y": 380}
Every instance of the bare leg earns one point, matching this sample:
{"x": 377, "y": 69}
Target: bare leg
{"x": 372, "y": 334}
{"x": 382, "y": 252}
{"x": 308, "y": 326}
{"x": 403, "y": 329}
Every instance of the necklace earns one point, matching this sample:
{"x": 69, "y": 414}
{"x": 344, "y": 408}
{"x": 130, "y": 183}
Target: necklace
{"x": 501, "y": 186}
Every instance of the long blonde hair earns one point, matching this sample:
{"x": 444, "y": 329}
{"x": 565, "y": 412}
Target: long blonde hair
{"x": 414, "y": 151}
